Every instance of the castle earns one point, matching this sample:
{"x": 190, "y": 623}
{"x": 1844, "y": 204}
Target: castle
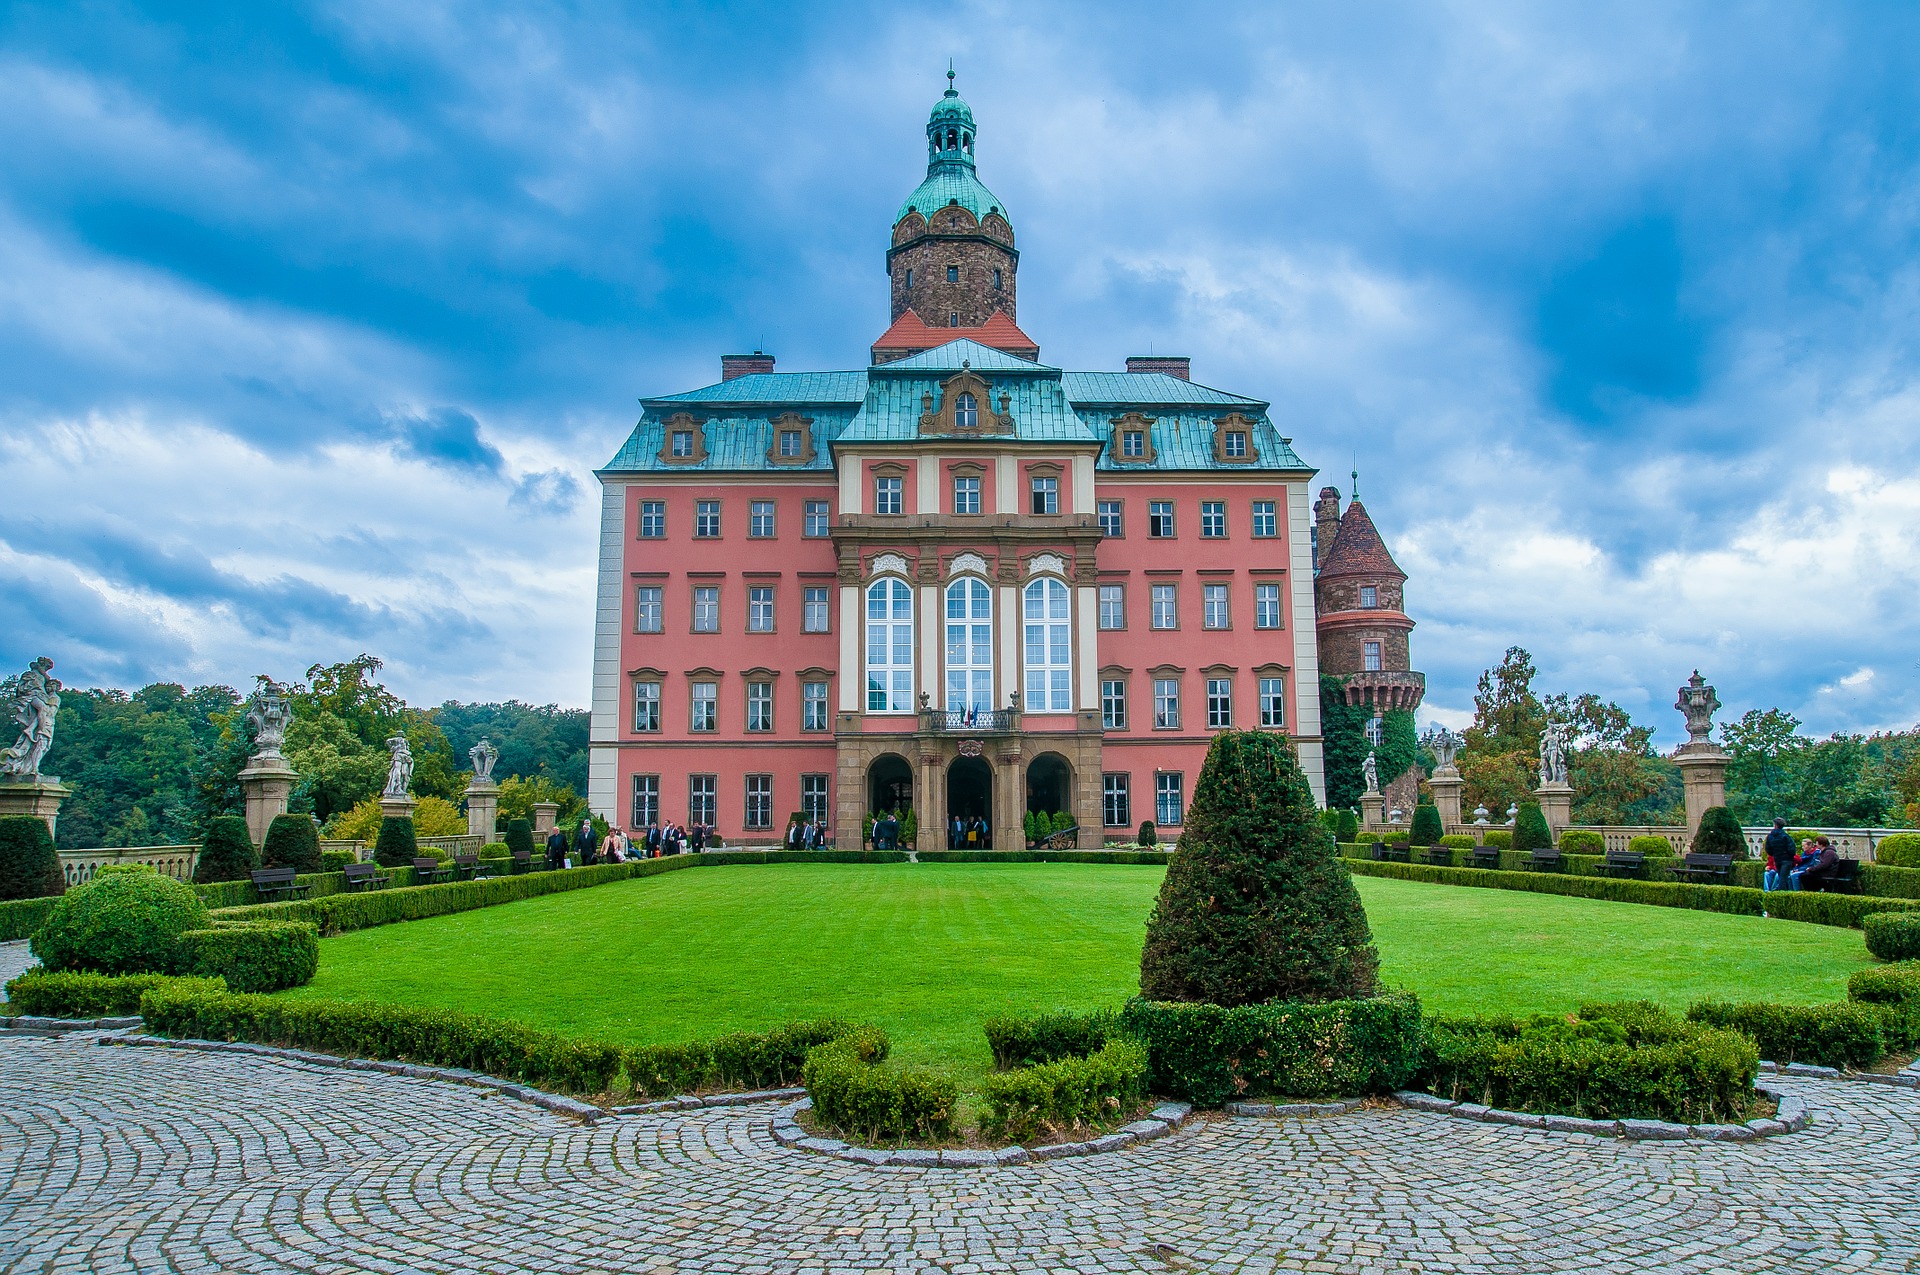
{"x": 962, "y": 582}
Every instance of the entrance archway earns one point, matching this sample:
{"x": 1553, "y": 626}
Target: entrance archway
{"x": 890, "y": 784}
{"x": 1049, "y": 783}
{"x": 970, "y": 789}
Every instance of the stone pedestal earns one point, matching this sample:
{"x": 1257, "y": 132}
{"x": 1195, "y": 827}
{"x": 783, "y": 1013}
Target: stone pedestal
{"x": 265, "y": 784}
{"x": 1703, "y": 771}
{"x": 40, "y": 797}
{"x": 1556, "y": 803}
{"x": 545, "y": 814}
{"x": 1446, "y": 785}
{"x": 397, "y": 807}
{"x": 1373, "y": 811}
{"x": 483, "y": 810}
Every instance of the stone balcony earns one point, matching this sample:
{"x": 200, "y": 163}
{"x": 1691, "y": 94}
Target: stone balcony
{"x": 1384, "y": 690}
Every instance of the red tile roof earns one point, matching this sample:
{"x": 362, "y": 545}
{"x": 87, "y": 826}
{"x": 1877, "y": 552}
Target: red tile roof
{"x": 911, "y": 332}
{"x": 1358, "y": 549}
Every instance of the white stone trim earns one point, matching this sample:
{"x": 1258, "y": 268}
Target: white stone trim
{"x": 927, "y": 485}
{"x": 888, "y": 564}
{"x": 1306, "y": 639}
{"x": 852, "y": 619}
{"x": 852, "y": 498}
{"x": 603, "y": 761}
{"x": 1006, "y": 478}
{"x": 1087, "y": 621}
{"x": 1046, "y": 564}
{"x": 964, "y": 563}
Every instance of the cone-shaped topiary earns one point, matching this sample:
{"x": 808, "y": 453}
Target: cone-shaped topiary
{"x": 29, "y": 867}
{"x": 1426, "y": 825}
{"x": 1255, "y": 907}
{"x": 1719, "y": 833}
{"x": 1530, "y": 831}
{"x": 292, "y": 842}
{"x": 227, "y": 853}
{"x": 397, "y": 847}
{"x": 1346, "y": 827}
{"x": 1149, "y": 835}
{"x": 125, "y": 921}
{"x": 519, "y": 836}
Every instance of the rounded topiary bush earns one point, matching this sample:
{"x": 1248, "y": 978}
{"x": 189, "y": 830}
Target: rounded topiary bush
{"x": 1530, "y": 830}
{"x": 1893, "y": 936}
{"x": 1582, "y": 841}
{"x": 396, "y": 847}
{"x": 292, "y": 842}
{"x": 1498, "y": 838}
{"x": 227, "y": 853}
{"x": 1457, "y": 841}
{"x": 29, "y": 867}
{"x": 519, "y": 836}
{"x": 1149, "y": 835}
{"x": 1255, "y": 907}
{"x": 1426, "y": 830}
{"x": 1719, "y": 833}
{"x": 1346, "y": 827}
{"x": 127, "y": 921}
{"x": 335, "y": 860}
{"x": 1651, "y": 844}
{"x": 1901, "y": 850}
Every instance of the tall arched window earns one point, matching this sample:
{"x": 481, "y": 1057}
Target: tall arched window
{"x": 1049, "y": 648}
{"x": 889, "y": 646}
{"x": 969, "y": 646}
{"x": 966, "y": 412}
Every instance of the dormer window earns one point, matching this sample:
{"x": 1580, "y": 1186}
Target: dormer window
{"x": 966, "y": 412}
{"x": 1133, "y": 443}
{"x": 1369, "y": 597}
{"x": 1236, "y": 443}
{"x": 789, "y": 442}
{"x": 682, "y": 442}
{"x": 1233, "y": 440}
{"x": 953, "y": 274}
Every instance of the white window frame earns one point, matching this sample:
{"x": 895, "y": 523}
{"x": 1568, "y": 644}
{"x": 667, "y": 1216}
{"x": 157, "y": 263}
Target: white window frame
{"x": 703, "y": 799}
{"x": 706, "y": 608}
{"x": 967, "y": 610}
{"x": 646, "y": 800}
{"x": 1169, "y": 799}
{"x": 758, "y": 791}
{"x": 817, "y": 519}
{"x": 815, "y": 796}
{"x": 1219, "y": 703}
{"x": 1371, "y": 657}
{"x": 1166, "y": 703}
{"x": 889, "y": 680}
{"x": 760, "y": 707}
{"x": 706, "y": 520}
{"x": 1113, "y": 608}
{"x": 889, "y": 494}
{"x": 816, "y": 609}
{"x": 761, "y": 516}
{"x": 1265, "y": 524}
{"x": 759, "y": 608}
{"x": 1045, "y": 495}
{"x": 1273, "y": 702}
{"x": 1113, "y": 518}
{"x": 1369, "y": 597}
{"x": 966, "y": 494}
{"x": 1213, "y": 520}
{"x": 703, "y": 707}
{"x": 1216, "y": 607}
{"x": 1166, "y": 606}
{"x": 1161, "y": 520}
{"x": 1113, "y": 703}
{"x": 646, "y": 707}
{"x": 1266, "y": 605}
{"x": 1116, "y": 788}
{"x": 649, "y": 604}
{"x": 1047, "y": 624}
{"x": 653, "y": 519}
{"x": 816, "y": 711}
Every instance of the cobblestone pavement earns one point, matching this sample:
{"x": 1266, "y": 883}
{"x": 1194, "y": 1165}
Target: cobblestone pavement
{"x": 14, "y": 959}
{"x": 120, "y": 1159}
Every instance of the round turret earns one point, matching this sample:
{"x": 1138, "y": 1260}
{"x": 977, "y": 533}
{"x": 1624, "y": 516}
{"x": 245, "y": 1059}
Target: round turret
{"x": 952, "y": 260}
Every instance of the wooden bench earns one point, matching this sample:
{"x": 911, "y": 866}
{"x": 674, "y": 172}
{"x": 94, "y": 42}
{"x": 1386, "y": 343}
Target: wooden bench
{"x": 1845, "y": 877}
{"x": 1545, "y": 859}
{"x": 364, "y": 876}
{"x": 470, "y": 866}
{"x": 522, "y": 861}
{"x": 270, "y": 883}
{"x": 1380, "y": 852}
{"x": 1624, "y": 863}
{"x": 1486, "y": 857}
{"x": 1705, "y": 867}
{"x": 427, "y": 871}
{"x": 1440, "y": 856}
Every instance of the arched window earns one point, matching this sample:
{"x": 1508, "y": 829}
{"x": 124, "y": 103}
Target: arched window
{"x": 889, "y": 646}
{"x": 951, "y": 139}
{"x": 1049, "y": 648}
{"x": 969, "y": 645}
{"x": 966, "y": 412}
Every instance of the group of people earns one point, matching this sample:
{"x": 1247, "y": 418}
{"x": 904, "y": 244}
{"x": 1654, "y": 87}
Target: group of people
{"x": 1791, "y": 866}
{"x": 968, "y": 833}
{"x": 809, "y": 834}
{"x": 585, "y": 847}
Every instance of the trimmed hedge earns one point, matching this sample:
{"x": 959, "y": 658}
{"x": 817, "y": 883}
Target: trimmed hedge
{"x": 852, "y": 1091}
{"x": 1458, "y": 841}
{"x": 1427, "y": 829}
{"x": 29, "y": 864}
{"x": 367, "y": 1029}
{"x": 255, "y": 956}
{"x": 226, "y": 853}
{"x": 1067, "y": 1093}
{"x": 121, "y": 922}
{"x": 1720, "y": 833}
{"x": 1843, "y": 1034}
{"x": 1530, "y": 830}
{"x": 1895, "y": 988}
{"x": 396, "y": 846}
{"x": 1893, "y": 936}
{"x": 85, "y": 994}
{"x": 1901, "y": 850}
{"x": 239, "y": 894}
{"x": 1632, "y": 1061}
{"x": 751, "y": 1060}
{"x": 1208, "y": 1054}
{"x": 1498, "y": 838}
{"x": 1044, "y": 1038}
{"x": 335, "y": 860}
{"x": 1036, "y": 856}
{"x": 19, "y": 918}
{"x": 1652, "y": 845}
{"x": 1583, "y": 841}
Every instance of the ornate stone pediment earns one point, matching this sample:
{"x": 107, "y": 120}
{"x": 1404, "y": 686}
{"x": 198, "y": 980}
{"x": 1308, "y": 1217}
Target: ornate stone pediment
{"x": 889, "y": 564}
{"x": 792, "y": 441}
{"x": 965, "y": 409}
{"x": 683, "y": 439}
{"x": 968, "y": 562}
{"x": 1046, "y": 564}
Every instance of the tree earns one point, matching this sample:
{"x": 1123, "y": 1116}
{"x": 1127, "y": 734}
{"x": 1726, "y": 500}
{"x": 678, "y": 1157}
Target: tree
{"x": 1255, "y": 907}
{"x": 1765, "y": 748}
{"x": 519, "y": 793}
{"x": 1427, "y": 829}
{"x": 29, "y": 864}
{"x": 544, "y": 740}
{"x": 1346, "y": 827}
{"x": 432, "y": 817}
{"x": 396, "y": 846}
{"x": 1530, "y": 830}
{"x": 1343, "y": 743}
{"x": 292, "y": 842}
{"x": 227, "y": 853}
{"x": 1507, "y": 716}
{"x": 1719, "y": 833}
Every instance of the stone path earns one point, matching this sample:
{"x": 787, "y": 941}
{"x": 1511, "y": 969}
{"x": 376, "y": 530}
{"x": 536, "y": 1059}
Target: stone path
{"x": 117, "y": 1159}
{"x": 14, "y": 959}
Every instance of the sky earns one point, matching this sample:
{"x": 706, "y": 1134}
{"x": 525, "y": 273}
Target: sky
{"x": 316, "y": 319}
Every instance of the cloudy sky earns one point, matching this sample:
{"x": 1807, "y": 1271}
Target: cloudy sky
{"x": 314, "y": 320}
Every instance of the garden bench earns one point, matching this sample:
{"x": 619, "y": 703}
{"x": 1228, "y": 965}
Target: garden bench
{"x": 1705, "y": 867}
{"x": 1486, "y": 857}
{"x": 472, "y": 867}
{"x": 1440, "y": 856}
{"x": 426, "y": 871}
{"x": 364, "y": 876}
{"x": 269, "y": 882}
{"x": 1399, "y": 852}
{"x": 1545, "y": 859}
{"x": 1379, "y": 851}
{"x": 1845, "y": 877}
{"x": 522, "y": 862}
{"x": 1624, "y": 863}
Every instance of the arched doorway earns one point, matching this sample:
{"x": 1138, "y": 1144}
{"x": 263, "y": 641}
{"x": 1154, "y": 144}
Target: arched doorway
{"x": 890, "y": 784}
{"x": 1049, "y": 784}
{"x": 970, "y": 791}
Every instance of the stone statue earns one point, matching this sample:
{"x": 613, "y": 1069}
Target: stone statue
{"x": 34, "y": 698}
{"x": 400, "y": 770}
{"x": 1698, "y": 702}
{"x": 483, "y": 754}
{"x": 1553, "y": 755}
{"x": 1370, "y": 771}
{"x": 1444, "y": 745}
{"x": 269, "y": 713}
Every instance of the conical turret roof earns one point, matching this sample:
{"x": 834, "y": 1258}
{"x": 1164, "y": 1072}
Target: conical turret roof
{"x": 1358, "y": 549}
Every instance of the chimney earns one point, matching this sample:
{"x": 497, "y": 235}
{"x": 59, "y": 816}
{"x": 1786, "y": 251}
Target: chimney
{"x": 1171, "y": 364}
{"x": 734, "y": 365}
{"x": 1326, "y": 524}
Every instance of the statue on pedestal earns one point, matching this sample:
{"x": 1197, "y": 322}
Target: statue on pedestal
{"x": 483, "y": 756}
{"x": 1698, "y": 703}
{"x": 1553, "y": 755}
{"x": 34, "y": 699}
{"x": 400, "y": 769}
{"x": 269, "y": 713}
{"x": 1370, "y": 771}
{"x": 1444, "y": 745}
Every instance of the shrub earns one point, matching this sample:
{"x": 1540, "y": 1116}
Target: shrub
{"x": 1651, "y": 844}
{"x": 1719, "y": 833}
{"x": 367, "y": 1029}
{"x": 1023, "y": 1042}
{"x": 1208, "y": 1054}
{"x": 1346, "y": 827}
{"x": 1896, "y": 990}
{"x": 1893, "y": 936}
{"x": 126, "y": 922}
{"x": 255, "y": 956}
{"x": 1901, "y": 850}
{"x": 1530, "y": 830}
{"x": 495, "y": 850}
{"x": 29, "y": 865}
{"x": 292, "y": 842}
{"x": 19, "y": 918}
{"x": 432, "y": 817}
{"x": 336, "y": 860}
{"x": 84, "y": 994}
{"x": 396, "y": 847}
{"x": 1458, "y": 841}
{"x": 519, "y": 837}
{"x": 1255, "y": 907}
{"x": 1633, "y": 1062}
{"x": 1844, "y": 1034}
{"x": 1149, "y": 835}
{"x": 1396, "y": 838}
{"x": 746, "y": 1059}
{"x": 1498, "y": 838}
{"x": 1426, "y": 829}
{"x": 341, "y": 913}
{"x": 854, "y": 1092}
{"x": 1067, "y": 1093}
{"x": 1582, "y": 841}
{"x": 227, "y": 853}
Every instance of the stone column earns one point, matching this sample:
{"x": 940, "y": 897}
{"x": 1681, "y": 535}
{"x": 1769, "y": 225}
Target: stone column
{"x": 1009, "y": 802}
{"x": 39, "y": 796}
{"x": 1446, "y": 785}
{"x": 1703, "y": 772}
{"x": 400, "y": 807}
{"x": 544, "y": 815}
{"x": 930, "y": 797}
{"x": 483, "y": 809}
{"x": 1373, "y": 811}
{"x": 265, "y": 784}
{"x": 1556, "y": 803}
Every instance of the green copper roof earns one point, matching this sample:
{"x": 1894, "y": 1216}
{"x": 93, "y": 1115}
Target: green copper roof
{"x": 951, "y": 109}
{"x": 950, "y": 176}
{"x": 978, "y": 357}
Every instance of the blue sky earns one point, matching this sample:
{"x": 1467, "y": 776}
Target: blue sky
{"x": 314, "y": 320}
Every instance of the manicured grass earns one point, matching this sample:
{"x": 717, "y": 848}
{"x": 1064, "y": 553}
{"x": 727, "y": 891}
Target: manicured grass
{"x": 930, "y": 950}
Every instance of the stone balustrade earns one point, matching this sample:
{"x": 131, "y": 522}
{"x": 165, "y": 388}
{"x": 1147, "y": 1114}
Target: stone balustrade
{"x": 78, "y": 866}
{"x": 1851, "y": 843}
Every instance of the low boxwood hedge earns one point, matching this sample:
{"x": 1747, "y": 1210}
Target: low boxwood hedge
{"x": 1897, "y": 989}
{"x": 255, "y": 956}
{"x": 1068, "y": 1093}
{"x": 1498, "y": 838}
{"x": 1458, "y": 841}
{"x": 853, "y": 1090}
{"x": 1842, "y": 1034}
{"x": 1652, "y": 845}
{"x": 1893, "y": 936}
{"x": 19, "y": 918}
{"x": 1208, "y": 1054}
{"x": 86, "y": 994}
{"x": 1901, "y": 850}
{"x": 1019, "y": 1041}
{"x": 1582, "y": 841}
{"x": 749, "y": 1060}
{"x": 335, "y": 860}
{"x": 126, "y": 920}
{"x": 1045, "y": 856}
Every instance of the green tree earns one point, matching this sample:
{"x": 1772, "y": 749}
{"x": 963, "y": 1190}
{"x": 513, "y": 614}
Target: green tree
{"x": 1346, "y": 826}
{"x": 1427, "y": 829}
{"x": 1255, "y": 907}
{"x": 519, "y": 793}
{"x": 1343, "y": 743}
{"x": 1530, "y": 830}
{"x": 338, "y": 770}
{"x": 1719, "y": 833}
{"x": 292, "y": 842}
{"x": 533, "y": 739}
{"x": 520, "y": 836}
{"x": 227, "y": 853}
{"x": 29, "y": 865}
{"x": 1507, "y": 716}
{"x": 1765, "y": 749}
{"x": 396, "y": 847}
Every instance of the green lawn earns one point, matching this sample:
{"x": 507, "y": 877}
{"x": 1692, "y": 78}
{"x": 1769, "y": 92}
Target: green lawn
{"x": 930, "y": 950}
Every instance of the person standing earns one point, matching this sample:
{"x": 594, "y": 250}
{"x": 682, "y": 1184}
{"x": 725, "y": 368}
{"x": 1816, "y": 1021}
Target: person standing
{"x": 1779, "y": 850}
{"x": 585, "y": 842}
{"x": 556, "y": 849}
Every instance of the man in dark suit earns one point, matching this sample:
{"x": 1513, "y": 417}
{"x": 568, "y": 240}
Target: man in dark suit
{"x": 556, "y": 849}
{"x": 585, "y": 842}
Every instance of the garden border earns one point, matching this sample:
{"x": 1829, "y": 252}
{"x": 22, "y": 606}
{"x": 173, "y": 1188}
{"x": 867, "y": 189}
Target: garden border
{"x": 1793, "y": 1117}
{"x": 1157, "y": 1123}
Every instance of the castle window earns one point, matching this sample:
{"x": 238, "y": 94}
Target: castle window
{"x": 814, "y": 610}
{"x": 909, "y": 277}
{"x": 1369, "y": 596}
{"x": 1160, "y": 519}
{"x": 706, "y": 707}
{"x": 953, "y": 318}
{"x": 1372, "y": 657}
{"x": 759, "y": 801}
{"x": 1113, "y": 704}
{"x": 1266, "y": 606}
{"x": 969, "y": 645}
{"x": 1116, "y": 802}
{"x": 813, "y": 797}
{"x": 813, "y": 706}
{"x": 646, "y": 800}
{"x": 996, "y": 278}
{"x": 1046, "y": 495}
{"x": 953, "y": 274}
{"x": 1219, "y": 703}
{"x": 706, "y": 609}
{"x": 1273, "y": 701}
{"x": 653, "y": 519}
{"x": 1213, "y": 519}
{"x": 1166, "y": 703}
{"x": 966, "y": 491}
{"x": 760, "y": 609}
{"x": 789, "y": 442}
{"x": 1376, "y": 732}
{"x": 1169, "y": 805}
{"x": 646, "y": 707}
{"x": 816, "y": 522}
{"x": 1049, "y": 648}
{"x": 1133, "y": 444}
{"x": 1264, "y": 525}
{"x": 646, "y": 609}
{"x": 1166, "y": 607}
{"x": 889, "y": 646}
{"x": 1213, "y": 607}
{"x": 1112, "y": 520}
{"x": 706, "y": 519}
{"x": 759, "y": 706}
{"x": 886, "y": 495}
{"x": 760, "y": 518}
{"x": 1236, "y": 443}
{"x": 703, "y": 803}
{"x": 966, "y": 413}
{"x": 682, "y": 442}
{"x": 1113, "y": 606}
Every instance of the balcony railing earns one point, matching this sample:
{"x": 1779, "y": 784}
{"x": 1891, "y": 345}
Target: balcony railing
{"x": 972, "y": 720}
